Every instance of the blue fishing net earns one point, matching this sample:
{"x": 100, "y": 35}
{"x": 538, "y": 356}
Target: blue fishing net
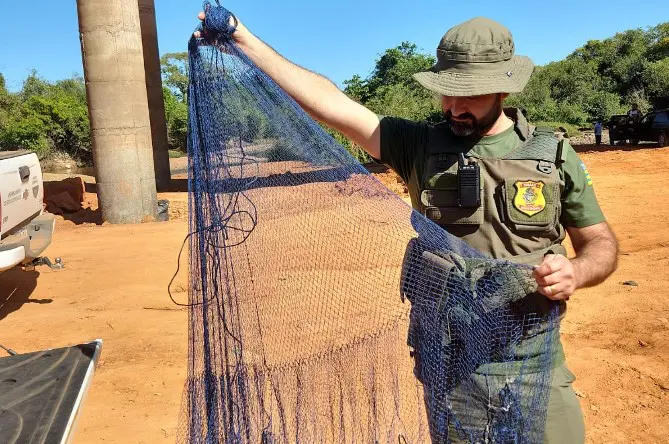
{"x": 322, "y": 308}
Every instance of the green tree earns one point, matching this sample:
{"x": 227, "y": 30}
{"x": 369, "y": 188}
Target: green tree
{"x": 400, "y": 100}
{"x": 6, "y": 104}
{"x": 622, "y": 59}
{"x": 397, "y": 65}
{"x": 536, "y": 98}
{"x": 659, "y": 42}
{"x": 176, "y": 118}
{"x": 26, "y": 132}
{"x": 44, "y": 117}
{"x": 391, "y": 89}
{"x": 64, "y": 117}
{"x": 33, "y": 85}
{"x": 602, "y": 78}
{"x": 601, "y": 105}
{"x": 74, "y": 87}
{"x": 357, "y": 89}
{"x": 639, "y": 98}
{"x": 174, "y": 67}
{"x": 656, "y": 77}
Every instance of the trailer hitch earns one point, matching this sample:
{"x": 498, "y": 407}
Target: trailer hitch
{"x": 56, "y": 265}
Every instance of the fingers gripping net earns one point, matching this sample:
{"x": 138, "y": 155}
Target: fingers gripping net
{"x": 322, "y": 308}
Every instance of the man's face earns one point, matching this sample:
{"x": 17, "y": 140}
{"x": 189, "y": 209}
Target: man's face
{"x": 472, "y": 116}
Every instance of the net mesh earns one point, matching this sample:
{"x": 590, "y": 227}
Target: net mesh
{"x": 322, "y": 307}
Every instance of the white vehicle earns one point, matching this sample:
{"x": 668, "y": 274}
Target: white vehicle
{"x": 25, "y": 230}
{"x": 43, "y": 391}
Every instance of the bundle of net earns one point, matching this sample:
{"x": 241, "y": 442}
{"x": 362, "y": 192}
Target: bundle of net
{"x": 322, "y": 308}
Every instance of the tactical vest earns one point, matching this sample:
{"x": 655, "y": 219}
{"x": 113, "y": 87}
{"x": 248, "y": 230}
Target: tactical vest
{"x": 518, "y": 218}
{"x": 519, "y": 213}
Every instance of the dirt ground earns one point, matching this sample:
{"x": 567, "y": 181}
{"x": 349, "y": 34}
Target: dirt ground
{"x": 114, "y": 287}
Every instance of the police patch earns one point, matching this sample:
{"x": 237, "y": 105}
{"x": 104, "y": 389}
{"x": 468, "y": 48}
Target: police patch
{"x": 529, "y": 198}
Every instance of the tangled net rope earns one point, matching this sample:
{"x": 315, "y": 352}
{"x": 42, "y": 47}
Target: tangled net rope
{"x": 322, "y": 308}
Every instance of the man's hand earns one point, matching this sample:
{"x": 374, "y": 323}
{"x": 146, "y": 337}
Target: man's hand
{"x": 237, "y": 36}
{"x": 556, "y": 277}
{"x": 596, "y": 258}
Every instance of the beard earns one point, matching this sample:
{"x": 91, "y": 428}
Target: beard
{"x": 467, "y": 124}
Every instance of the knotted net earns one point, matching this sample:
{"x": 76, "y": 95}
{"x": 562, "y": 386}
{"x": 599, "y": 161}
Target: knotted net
{"x": 322, "y": 307}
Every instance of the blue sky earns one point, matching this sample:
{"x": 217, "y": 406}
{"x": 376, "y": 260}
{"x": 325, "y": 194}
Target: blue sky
{"x": 335, "y": 38}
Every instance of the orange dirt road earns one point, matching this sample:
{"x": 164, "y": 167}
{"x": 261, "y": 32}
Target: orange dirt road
{"x": 114, "y": 287}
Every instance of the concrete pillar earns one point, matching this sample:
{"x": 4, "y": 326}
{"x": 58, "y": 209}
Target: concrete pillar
{"x": 154, "y": 89}
{"x": 111, "y": 45}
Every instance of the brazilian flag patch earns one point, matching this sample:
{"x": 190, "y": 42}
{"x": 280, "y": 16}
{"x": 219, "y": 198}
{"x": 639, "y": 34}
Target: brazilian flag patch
{"x": 588, "y": 178}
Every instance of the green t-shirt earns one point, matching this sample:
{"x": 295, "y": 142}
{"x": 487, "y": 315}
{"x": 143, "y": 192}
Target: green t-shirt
{"x": 404, "y": 142}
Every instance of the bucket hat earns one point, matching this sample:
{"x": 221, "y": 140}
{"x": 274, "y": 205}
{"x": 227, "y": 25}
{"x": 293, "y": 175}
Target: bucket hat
{"x": 474, "y": 58}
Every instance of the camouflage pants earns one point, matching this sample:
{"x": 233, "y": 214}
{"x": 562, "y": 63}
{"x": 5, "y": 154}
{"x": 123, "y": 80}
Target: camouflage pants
{"x": 473, "y": 405}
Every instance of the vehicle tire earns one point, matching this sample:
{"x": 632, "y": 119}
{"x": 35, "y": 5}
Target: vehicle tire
{"x": 663, "y": 140}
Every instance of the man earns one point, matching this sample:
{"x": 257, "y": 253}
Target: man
{"x": 634, "y": 113}
{"x": 530, "y": 198}
{"x": 598, "y": 132}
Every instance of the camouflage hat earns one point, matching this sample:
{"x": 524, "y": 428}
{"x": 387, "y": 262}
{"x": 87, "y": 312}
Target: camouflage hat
{"x": 474, "y": 58}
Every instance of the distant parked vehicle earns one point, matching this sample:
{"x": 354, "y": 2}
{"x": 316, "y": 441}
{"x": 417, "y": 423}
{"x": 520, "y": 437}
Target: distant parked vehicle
{"x": 652, "y": 127}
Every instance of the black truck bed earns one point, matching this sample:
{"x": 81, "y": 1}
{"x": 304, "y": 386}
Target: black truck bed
{"x": 42, "y": 392}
